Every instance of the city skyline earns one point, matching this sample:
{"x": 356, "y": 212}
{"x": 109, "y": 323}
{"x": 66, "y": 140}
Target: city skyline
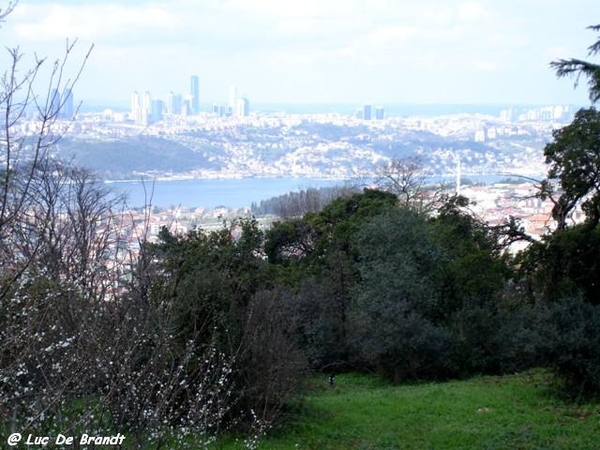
{"x": 146, "y": 108}
{"x": 370, "y": 51}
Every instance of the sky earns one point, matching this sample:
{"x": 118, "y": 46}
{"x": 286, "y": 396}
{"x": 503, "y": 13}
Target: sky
{"x": 313, "y": 51}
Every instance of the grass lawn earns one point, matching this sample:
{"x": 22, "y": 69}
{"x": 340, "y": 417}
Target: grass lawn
{"x": 510, "y": 412}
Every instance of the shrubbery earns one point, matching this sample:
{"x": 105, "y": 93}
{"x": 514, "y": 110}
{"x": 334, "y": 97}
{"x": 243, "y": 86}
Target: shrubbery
{"x": 571, "y": 337}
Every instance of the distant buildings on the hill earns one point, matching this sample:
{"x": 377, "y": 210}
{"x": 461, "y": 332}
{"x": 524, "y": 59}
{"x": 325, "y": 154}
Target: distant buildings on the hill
{"x": 145, "y": 110}
{"x": 61, "y": 106}
{"x": 540, "y": 114}
{"x": 559, "y": 113}
{"x": 366, "y": 112}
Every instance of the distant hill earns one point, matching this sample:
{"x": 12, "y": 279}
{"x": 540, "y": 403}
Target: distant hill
{"x": 123, "y": 158}
{"x": 307, "y": 148}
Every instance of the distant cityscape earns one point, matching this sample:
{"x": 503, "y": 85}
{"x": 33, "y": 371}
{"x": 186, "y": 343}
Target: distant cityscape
{"x": 180, "y": 138}
{"x": 146, "y": 109}
{"x": 62, "y": 105}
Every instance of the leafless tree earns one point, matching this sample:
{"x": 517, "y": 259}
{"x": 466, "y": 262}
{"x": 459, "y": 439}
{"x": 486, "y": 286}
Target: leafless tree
{"x": 22, "y": 153}
{"x": 403, "y": 177}
{"x": 7, "y": 10}
{"x": 85, "y": 342}
{"x": 410, "y": 182}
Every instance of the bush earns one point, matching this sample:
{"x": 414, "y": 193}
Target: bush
{"x": 403, "y": 345}
{"x": 571, "y": 331}
{"x": 398, "y": 299}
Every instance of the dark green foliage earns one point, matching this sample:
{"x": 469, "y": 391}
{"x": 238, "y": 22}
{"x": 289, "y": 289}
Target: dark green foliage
{"x": 210, "y": 276}
{"x": 343, "y": 216}
{"x": 324, "y": 305}
{"x": 290, "y": 241}
{"x": 425, "y": 305}
{"x": 401, "y": 344}
{"x": 565, "y": 264}
{"x": 516, "y": 341}
{"x": 297, "y": 204}
{"x": 384, "y": 287}
{"x": 572, "y": 342}
{"x": 477, "y": 273}
{"x": 315, "y": 256}
{"x": 477, "y": 267}
{"x": 574, "y": 158}
{"x": 474, "y": 330}
{"x": 430, "y": 296}
{"x": 399, "y": 262}
{"x": 221, "y": 293}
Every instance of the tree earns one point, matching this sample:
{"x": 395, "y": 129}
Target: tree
{"x": 563, "y": 269}
{"x": 578, "y": 67}
{"x": 564, "y": 265}
{"x": 43, "y": 314}
{"x": 475, "y": 261}
{"x": 220, "y": 294}
{"x": 574, "y": 158}
{"x": 404, "y": 178}
{"x": 7, "y": 10}
{"x": 23, "y": 154}
{"x": 316, "y": 256}
{"x": 394, "y": 327}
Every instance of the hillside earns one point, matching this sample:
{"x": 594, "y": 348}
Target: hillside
{"x": 294, "y": 147}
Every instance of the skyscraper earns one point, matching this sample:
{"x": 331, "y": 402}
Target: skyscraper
{"x": 146, "y": 108}
{"x": 173, "y": 103}
{"x": 233, "y": 98}
{"x": 135, "y": 104}
{"x": 367, "y": 112}
{"x": 243, "y": 107}
{"x": 195, "y": 94}
{"x": 67, "y": 110}
{"x": 157, "y": 110}
{"x": 379, "y": 113}
{"x": 141, "y": 108}
{"x": 54, "y": 106}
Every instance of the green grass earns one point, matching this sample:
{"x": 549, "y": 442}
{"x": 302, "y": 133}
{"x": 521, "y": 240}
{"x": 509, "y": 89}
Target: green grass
{"x": 510, "y": 412}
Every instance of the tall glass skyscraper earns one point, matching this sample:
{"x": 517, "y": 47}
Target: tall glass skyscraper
{"x": 233, "y": 98}
{"x": 195, "y": 94}
{"x": 367, "y": 112}
{"x": 67, "y": 110}
{"x": 54, "y": 107}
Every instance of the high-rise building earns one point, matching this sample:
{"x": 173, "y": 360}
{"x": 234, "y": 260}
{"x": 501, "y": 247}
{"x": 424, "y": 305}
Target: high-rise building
{"x": 136, "y": 104}
{"x": 367, "y": 112}
{"x": 67, "y": 110}
{"x": 233, "y": 98}
{"x": 54, "y": 107}
{"x": 157, "y": 110}
{"x": 173, "y": 103}
{"x": 142, "y": 108}
{"x": 195, "y": 94}
{"x": 146, "y": 112}
{"x": 379, "y": 113}
{"x": 243, "y": 107}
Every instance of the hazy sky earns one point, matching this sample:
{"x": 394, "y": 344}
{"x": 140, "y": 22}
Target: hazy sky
{"x": 282, "y": 51}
